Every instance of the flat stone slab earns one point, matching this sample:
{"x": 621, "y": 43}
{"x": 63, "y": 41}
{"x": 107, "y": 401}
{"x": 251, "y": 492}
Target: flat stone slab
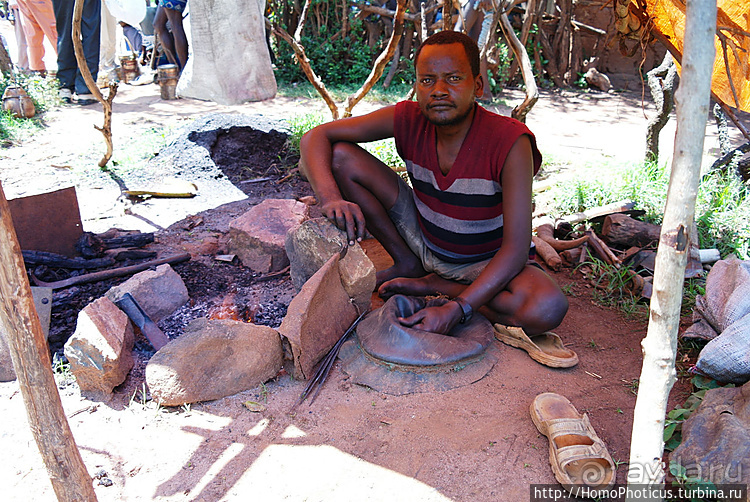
{"x": 313, "y": 243}
{"x": 398, "y": 380}
{"x": 159, "y": 292}
{"x": 213, "y": 359}
{"x": 316, "y": 318}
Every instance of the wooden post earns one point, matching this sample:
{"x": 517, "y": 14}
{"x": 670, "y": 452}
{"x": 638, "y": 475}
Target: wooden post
{"x": 31, "y": 361}
{"x": 660, "y": 344}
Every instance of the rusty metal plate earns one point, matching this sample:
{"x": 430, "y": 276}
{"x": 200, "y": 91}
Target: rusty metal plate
{"x": 48, "y": 222}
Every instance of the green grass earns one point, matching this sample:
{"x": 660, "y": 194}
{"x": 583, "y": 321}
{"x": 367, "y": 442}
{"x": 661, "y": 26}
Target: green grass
{"x": 384, "y": 149}
{"x": 392, "y": 95}
{"x": 135, "y": 152}
{"x": 613, "y": 287}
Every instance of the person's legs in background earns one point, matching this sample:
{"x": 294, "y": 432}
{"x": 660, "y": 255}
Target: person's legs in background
{"x": 66, "y": 58}
{"x": 108, "y": 47}
{"x": 22, "y": 60}
{"x": 70, "y": 78}
{"x": 38, "y": 20}
{"x": 178, "y": 34}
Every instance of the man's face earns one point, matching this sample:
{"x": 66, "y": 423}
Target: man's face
{"x": 445, "y": 86}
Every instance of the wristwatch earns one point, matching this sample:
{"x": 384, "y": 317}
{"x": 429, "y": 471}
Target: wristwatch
{"x": 465, "y": 308}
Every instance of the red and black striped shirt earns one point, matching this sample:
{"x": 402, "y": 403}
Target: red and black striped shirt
{"x": 461, "y": 213}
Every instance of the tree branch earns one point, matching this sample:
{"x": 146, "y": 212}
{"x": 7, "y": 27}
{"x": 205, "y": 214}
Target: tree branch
{"x": 106, "y": 128}
{"x": 304, "y": 63}
{"x": 532, "y": 92}
{"x": 385, "y": 56}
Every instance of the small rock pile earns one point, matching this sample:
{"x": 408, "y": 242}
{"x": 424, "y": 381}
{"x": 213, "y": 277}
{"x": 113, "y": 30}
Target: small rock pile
{"x": 215, "y": 358}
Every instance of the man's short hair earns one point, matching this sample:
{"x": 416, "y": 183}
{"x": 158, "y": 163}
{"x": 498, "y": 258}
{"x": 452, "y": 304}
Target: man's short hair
{"x": 454, "y": 37}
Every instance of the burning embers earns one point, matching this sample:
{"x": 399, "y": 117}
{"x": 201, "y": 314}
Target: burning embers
{"x": 236, "y": 308}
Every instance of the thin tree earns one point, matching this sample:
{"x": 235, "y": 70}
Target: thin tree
{"x": 375, "y": 74}
{"x": 660, "y": 345}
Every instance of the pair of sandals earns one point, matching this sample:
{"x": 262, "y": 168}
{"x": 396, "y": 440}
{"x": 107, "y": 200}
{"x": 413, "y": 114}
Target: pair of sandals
{"x": 579, "y": 458}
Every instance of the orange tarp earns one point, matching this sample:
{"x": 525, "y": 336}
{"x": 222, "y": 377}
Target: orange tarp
{"x": 733, "y": 23}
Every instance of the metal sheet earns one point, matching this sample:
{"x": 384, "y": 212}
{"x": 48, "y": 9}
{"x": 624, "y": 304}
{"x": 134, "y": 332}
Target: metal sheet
{"x": 48, "y": 222}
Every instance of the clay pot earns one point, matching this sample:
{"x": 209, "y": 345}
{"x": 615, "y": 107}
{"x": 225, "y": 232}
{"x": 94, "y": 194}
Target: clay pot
{"x": 18, "y": 103}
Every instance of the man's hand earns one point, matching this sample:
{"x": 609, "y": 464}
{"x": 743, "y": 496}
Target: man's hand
{"x": 439, "y": 319}
{"x": 346, "y": 216}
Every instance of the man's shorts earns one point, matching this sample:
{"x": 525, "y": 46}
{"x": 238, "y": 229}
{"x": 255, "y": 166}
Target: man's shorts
{"x": 404, "y": 216}
{"x": 178, "y": 5}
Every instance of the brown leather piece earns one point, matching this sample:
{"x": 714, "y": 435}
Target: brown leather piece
{"x": 383, "y": 337}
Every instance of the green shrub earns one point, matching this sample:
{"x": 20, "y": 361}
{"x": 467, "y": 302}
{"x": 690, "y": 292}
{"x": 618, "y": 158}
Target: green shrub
{"x": 339, "y": 62}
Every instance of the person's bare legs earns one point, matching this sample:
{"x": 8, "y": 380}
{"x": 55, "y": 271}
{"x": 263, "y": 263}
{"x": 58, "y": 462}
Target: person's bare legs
{"x": 165, "y": 37}
{"x": 178, "y": 35}
{"x": 532, "y": 299}
{"x": 373, "y": 186}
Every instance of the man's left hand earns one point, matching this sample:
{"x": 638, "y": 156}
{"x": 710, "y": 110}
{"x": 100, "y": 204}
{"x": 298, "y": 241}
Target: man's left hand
{"x": 439, "y": 319}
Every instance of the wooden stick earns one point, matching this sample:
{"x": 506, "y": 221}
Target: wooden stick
{"x": 30, "y": 356}
{"x": 108, "y": 274}
{"x": 106, "y": 128}
{"x": 615, "y": 207}
{"x": 602, "y": 249}
{"x": 546, "y": 233}
{"x": 547, "y": 252}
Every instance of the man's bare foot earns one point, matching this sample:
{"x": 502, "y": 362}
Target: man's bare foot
{"x": 430, "y": 284}
{"x": 398, "y": 271}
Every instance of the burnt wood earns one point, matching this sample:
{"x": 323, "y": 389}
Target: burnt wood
{"x": 622, "y": 230}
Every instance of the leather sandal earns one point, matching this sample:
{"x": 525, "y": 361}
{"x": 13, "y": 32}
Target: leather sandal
{"x": 578, "y": 456}
{"x": 546, "y": 348}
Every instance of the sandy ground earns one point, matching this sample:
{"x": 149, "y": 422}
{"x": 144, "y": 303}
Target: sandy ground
{"x": 474, "y": 443}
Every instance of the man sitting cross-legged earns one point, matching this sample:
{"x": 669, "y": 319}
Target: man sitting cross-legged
{"x": 464, "y": 230}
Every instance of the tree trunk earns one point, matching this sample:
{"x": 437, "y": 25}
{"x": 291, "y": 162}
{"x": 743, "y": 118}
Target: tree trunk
{"x": 30, "y": 355}
{"x": 528, "y": 19}
{"x": 661, "y": 82}
{"x": 230, "y": 63}
{"x": 660, "y": 344}
{"x": 381, "y": 61}
{"x": 6, "y": 65}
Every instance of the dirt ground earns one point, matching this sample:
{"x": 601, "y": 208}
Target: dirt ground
{"x": 474, "y": 443}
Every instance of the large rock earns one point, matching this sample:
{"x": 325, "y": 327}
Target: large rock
{"x": 316, "y": 318}
{"x": 100, "y": 350}
{"x": 598, "y": 80}
{"x": 7, "y": 373}
{"x": 715, "y": 443}
{"x": 159, "y": 292}
{"x": 257, "y": 237}
{"x": 213, "y": 359}
{"x": 313, "y": 243}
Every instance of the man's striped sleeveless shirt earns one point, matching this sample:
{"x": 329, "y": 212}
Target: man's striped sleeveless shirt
{"x": 461, "y": 213}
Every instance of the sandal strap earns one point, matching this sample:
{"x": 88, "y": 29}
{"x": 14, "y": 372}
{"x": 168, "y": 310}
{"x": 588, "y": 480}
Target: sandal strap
{"x": 566, "y": 426}
{"x": 569, "y": 454}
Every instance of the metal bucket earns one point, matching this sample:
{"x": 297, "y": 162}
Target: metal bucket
{"x": 130, "y": 68}
{"x": 168, "y": 75}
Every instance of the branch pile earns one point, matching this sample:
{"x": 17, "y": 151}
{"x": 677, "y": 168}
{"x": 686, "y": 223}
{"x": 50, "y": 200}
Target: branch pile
{"x": 624, "y": 243}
